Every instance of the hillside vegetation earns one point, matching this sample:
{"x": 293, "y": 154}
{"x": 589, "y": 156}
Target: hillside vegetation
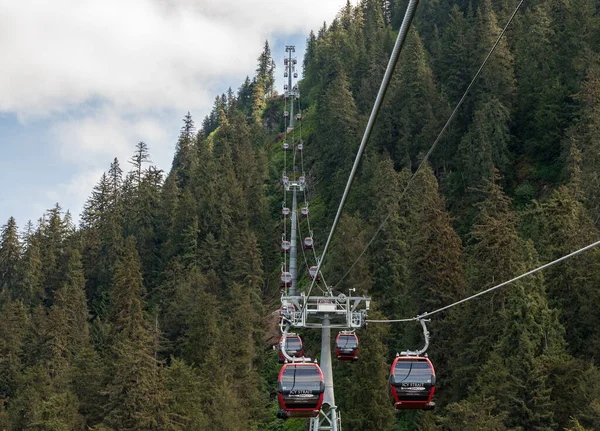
{"x": 155, "y": 312}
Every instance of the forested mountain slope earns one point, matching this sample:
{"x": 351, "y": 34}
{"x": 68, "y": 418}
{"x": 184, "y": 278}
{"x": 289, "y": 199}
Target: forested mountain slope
{"x": 154, "y": 312}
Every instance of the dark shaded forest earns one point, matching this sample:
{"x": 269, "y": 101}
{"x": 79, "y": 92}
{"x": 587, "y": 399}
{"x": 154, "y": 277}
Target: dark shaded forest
{"x": 155, "y": 311}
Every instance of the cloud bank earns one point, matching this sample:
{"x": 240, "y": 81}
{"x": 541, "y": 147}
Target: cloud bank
{"x": 107, "y": 74}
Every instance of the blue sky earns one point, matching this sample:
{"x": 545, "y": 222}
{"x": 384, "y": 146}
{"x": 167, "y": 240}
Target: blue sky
{"x": 83, "y": 82}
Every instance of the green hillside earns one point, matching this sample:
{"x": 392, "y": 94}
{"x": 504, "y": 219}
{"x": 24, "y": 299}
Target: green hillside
{"x": 156, "y": 312}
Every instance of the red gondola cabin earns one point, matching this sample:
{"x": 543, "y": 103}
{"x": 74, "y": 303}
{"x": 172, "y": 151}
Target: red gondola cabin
{"x": 346, "y": 346}
{"x": 285, "y": 280}
{"x": 293, "y": 347}
{"x": 285, "y": 212}
{"x": 412, "y": 383}
{"x": 309, "y": 244}
{"x": 287, "y": 310}
{"x": 286, "y": 246}
{"x": 300, "y": 389}
{"x": 304, "y": 212}
{"x": 312, "y": 273}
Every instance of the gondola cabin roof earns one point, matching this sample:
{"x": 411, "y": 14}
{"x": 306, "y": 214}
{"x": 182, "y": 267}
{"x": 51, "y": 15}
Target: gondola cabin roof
{"x": 412, "y": 383}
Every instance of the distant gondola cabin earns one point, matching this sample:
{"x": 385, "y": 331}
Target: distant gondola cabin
{"x": 300, "y": 147}
{"x": 285, "y": 280}
{"x": 293, "y": 347}
{"x": 346, "y": 346}
{"x": 286, "y": 246}
{"x": 312, "y": 273}
{"x": 285, "y": 212}
{"x": 309, "y": 243}
{"x": 286, "y": 146}
{"x": 304, "y": 212}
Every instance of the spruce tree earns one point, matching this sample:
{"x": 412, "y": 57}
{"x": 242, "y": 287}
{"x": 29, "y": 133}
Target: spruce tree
{"x": 10, "y": 255}
{"x": 137, "y": 399}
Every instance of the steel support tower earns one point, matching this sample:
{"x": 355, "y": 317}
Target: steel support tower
{"x": 290, "y": 71}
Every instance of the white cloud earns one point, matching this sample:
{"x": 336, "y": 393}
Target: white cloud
{"x": 72, "y": 195}
{"x": 95, "y": 140}
{"x": 139, "y": 54}
{"x": 107, "y": 74}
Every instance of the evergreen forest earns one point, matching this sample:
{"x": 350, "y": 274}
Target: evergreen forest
{"x": 157, "y": 310}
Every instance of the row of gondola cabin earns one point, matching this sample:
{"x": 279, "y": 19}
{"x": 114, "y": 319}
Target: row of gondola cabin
{"x": 308, "y": 243}
{"x": 286, "y": 246}
{"x": 412, "y": 383}
{"x": 313, "y": 274}
{"x": 300, "y": 388}
{"x": 346, "y": 346}
{"x": 293, "y": 347}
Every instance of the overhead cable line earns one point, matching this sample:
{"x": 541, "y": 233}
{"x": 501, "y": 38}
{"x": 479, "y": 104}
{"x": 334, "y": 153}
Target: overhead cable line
{"x": 437, "y": 139}
{"x": 408, "y": 18}
{"x": 491, "y": 289}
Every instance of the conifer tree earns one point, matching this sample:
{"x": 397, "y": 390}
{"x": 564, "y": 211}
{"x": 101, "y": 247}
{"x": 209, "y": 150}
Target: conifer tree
{"x": 185, "y": 159}
{"x": 138, "y": 399}
{"x": 516, "y": 325}
{"x": 10, "y": 255}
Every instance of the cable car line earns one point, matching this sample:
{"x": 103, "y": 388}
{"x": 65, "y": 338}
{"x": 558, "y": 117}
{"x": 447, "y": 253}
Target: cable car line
{"x": 402, "y": 33}
{"x": 307, "y": 265}
{"x": 491, "y": 289}
{"x": 435, "y": 143}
